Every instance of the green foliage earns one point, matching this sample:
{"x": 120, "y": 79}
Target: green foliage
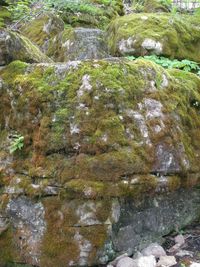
{"x": 4, "y": 15}
{"x": 74, "y": 6}
{"x": 17, "y": 143}
{"x": 19, "y": 9}
{"x": 185, "y": 64}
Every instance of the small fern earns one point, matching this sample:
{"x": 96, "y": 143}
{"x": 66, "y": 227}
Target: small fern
{"x": 17, "y": 143}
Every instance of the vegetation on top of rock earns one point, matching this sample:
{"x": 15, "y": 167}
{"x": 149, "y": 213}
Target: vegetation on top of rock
{"x": 185, "y": 64}
{"x": 95, "y": 13}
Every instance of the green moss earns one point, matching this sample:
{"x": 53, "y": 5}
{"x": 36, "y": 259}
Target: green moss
{"x": 156, "y": 6}
{"x": 43, "y": 29}
{"x": 61, "y": 216}
{"x": 81, "y": 128}
{"x": 4, "y": 16}
{"x": 8, "y": 253}
{"x": 16, "y": 68}
{"x": 178, "y": 35}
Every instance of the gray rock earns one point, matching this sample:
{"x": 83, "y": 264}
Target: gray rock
{"x": 127, "y": 262}
{"x": 165, "y": 213}
{"x": 154, "y": 249}
{"x": 81, "y": 44}
{"x": 166, "y": 261}
{"x": 27, "y": 218}
{"x": 179, "y": 239}
{"x": 146, "y": 261}
{"x": 183, "y": 253}
{"x": 114, "y": 263}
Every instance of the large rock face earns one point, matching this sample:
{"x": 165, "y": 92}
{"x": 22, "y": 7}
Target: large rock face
{"x": 109, "y": 162}
{"x": 14, "y": 46}
{"x": 160, "y": 34}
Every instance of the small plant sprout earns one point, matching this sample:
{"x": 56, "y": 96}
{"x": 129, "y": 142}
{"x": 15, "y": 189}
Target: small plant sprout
{"x": 17, "y": 143}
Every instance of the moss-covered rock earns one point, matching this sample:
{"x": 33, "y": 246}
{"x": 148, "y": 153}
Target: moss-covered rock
{"x": 43, "y": 29}
{"x": 14, "y": 46}
{"x": 4, "y": 16}
{"x": 149, "y": 6}
{"x": 174, "y": 36}
{"x": 92, "y": 13}
{"x": 78, "y": 44}
{"x": 102, "y": 139}
{"x": 101, "y": 120}
{"x": 47, "y": 31}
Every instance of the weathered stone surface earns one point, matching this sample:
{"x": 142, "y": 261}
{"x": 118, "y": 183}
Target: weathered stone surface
{"x": 27, "y": 219}
{"x": 163, "y": 213}
{"x": 79, "y": 44}
{"x": 116, "y": 141}
{"x": 154, "y": 249}
{"x": 160, "y": 34}
{"x": 126, "y": 261}
{"x": 14, "y": 46}
{"x": 166, "y": 261}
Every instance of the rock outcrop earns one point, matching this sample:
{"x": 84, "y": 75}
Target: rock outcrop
{"x": 99, "y": 155}
{"x": 118, "y": 141}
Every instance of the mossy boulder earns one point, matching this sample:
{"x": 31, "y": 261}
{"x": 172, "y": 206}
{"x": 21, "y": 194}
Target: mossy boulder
{"x": 4, "y": 16}
{"x": 14, "y": 46}
{"x": 101, "y": 120}
{"x": 162, "y": 34}
{"x": 102, "y": 139}
{"x": 149, "y": 6}
{"x": 47, "y": 31}
{"x": 42, "y": 29}
{"x": 92, "y": 13}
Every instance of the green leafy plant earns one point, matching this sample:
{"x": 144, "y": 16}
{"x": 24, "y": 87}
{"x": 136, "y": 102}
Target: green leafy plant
{"x": 17, "y": 143}
{"x": 19, "y": 9}
{"x": 185, "y": 64}
{"x": 74, "y": 6}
